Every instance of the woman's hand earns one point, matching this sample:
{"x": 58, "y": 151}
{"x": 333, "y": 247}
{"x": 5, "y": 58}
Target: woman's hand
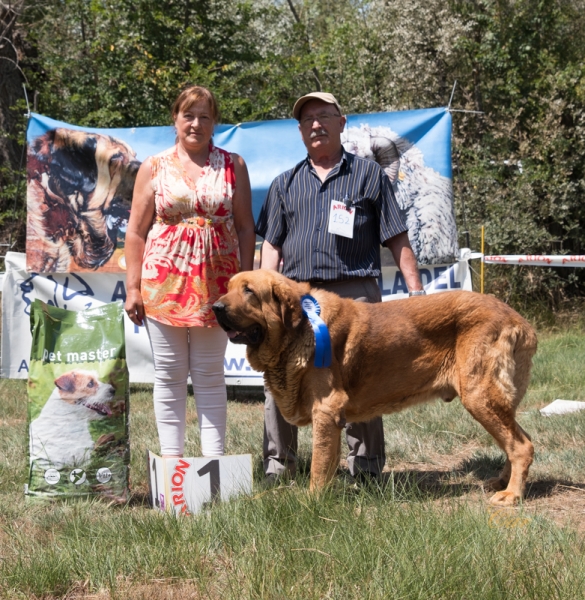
{"x": 134, "y": 307}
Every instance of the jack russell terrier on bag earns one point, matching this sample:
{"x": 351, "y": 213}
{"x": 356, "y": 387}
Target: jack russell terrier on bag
{"x": 60, "y": 435}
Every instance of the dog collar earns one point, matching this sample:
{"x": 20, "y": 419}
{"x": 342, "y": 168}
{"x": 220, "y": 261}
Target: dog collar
{"x": 312, "y": 310}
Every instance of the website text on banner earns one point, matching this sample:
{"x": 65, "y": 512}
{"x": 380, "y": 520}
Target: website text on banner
{"x": 80, "y": 180}
{"x": 88, "y": 290}
{"x": 537, "y": 260}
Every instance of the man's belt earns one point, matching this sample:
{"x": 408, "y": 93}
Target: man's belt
{"x": 329, "y": 281}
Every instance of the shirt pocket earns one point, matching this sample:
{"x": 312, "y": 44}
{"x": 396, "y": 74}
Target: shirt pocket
{"x": 363, "y": 208}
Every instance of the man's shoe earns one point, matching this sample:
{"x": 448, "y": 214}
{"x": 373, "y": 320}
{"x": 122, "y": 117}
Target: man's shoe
{"x": 272, "y": 480}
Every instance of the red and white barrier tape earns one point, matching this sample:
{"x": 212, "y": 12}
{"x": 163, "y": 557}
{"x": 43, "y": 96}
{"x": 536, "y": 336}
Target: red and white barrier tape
{"x": 542, "y": 260}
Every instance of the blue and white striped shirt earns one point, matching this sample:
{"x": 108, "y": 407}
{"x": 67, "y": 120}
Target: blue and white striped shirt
{"x": 295, "y": 218}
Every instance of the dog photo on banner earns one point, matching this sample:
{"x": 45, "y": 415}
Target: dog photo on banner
{"x": 79, "y": 194}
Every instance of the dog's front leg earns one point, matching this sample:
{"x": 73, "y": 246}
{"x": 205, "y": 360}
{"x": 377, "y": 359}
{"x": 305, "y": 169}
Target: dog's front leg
{"x": 328, "y": 421}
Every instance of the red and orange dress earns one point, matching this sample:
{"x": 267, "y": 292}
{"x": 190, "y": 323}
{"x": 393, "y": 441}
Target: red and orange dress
{"x": 191, "y": 250}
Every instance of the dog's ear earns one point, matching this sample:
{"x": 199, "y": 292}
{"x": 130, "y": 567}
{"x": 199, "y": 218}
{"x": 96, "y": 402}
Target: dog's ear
{"x": 290, "y": 303}
{"x": 66, "y": 382}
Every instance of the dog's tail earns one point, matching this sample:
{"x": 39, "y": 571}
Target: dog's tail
{"x": 524, "y": 350}
{"x": 512, "y": 355}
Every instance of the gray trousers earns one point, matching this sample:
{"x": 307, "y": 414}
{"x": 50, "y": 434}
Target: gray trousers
{"x": 365, "y": 440}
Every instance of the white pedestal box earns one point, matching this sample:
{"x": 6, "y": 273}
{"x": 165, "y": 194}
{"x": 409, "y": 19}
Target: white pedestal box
{"x": 188, "y": 485}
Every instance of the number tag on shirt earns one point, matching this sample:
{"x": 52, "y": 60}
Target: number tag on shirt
{"x": 341, "y": 219}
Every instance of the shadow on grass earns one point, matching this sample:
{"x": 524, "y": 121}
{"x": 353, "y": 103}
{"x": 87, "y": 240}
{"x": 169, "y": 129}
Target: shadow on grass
{"x": 434, "y": 485}
{"x": 407, "y": 484}
{"x": 424, "y": 485}
{"x": 550, "y": 487}
{"x": 482, "y": 466}
{"x": 437, "y": 484}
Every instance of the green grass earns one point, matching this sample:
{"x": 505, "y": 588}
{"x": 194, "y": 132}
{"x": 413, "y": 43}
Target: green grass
{"x": 426, "y": 533}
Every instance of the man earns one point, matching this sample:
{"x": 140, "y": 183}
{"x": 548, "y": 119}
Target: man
{"x": 325, "y": 219}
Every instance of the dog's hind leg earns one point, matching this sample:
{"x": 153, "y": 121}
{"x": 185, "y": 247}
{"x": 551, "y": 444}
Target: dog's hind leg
{"x": 498, "y": 376}
{"x": 499, "y": 483}
{"x": 525, "y": 343}
{"x": 490, "y": 410}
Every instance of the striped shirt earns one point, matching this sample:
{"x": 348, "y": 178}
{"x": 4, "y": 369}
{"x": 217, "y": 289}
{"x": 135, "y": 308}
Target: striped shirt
{"x": 295, "y": 217}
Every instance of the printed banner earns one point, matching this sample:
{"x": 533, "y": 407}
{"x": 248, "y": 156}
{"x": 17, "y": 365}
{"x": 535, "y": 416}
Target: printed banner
{"x": 79, "y": 291}
{"x": 80, "y": 180}
{"x": 70, "y": 291}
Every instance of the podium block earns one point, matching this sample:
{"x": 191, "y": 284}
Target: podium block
{"x": 189, "y": 485}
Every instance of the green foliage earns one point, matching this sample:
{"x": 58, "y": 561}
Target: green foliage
{"x": 519, "y": 165}
{"x": 125, "y": 61}
{"x": 13, "y": 185}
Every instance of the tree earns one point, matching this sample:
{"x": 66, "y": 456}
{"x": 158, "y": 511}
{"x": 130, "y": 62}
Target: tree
{"x": 13, "y": 50}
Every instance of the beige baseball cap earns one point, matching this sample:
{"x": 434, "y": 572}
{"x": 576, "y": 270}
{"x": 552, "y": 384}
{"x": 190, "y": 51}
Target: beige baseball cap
{"x": 324, "y": 96}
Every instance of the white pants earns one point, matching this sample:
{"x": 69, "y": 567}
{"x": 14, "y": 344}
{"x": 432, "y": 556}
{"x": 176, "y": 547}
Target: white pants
{"x": 178, "y": 351}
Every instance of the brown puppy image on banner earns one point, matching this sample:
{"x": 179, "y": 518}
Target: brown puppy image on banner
{"x": 78, "y": 200}
{"x": 386, "y": 357}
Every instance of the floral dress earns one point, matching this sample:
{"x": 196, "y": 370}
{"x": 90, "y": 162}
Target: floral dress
{"x": 191, "y": 250}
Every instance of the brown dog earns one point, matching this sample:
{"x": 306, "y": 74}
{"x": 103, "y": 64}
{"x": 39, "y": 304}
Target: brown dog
{"x": 386, "y": 357}
{"x": 78, "y": 199}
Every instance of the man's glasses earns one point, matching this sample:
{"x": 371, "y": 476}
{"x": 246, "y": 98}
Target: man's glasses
{"x": 324, "y": 119}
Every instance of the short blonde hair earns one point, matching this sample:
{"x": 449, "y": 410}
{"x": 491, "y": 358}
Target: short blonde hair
{"x": 191, "y": 95}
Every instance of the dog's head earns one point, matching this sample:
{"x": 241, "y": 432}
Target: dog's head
{"x": 86, "y": 182}
{"x": 83, "y": 388}
{"x": 260, "y": 305}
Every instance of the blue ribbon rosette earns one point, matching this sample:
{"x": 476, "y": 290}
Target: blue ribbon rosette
{"x": 312, "y": 310}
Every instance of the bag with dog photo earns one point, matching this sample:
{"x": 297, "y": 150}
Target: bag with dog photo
{"x": 78, "y": 402}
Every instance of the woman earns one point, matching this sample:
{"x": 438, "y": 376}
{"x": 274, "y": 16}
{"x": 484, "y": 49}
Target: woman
{"x": 191, "y": 228}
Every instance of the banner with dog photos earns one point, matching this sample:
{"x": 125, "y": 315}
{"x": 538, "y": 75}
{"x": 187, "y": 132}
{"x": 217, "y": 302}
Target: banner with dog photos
{"x": 78, "y": 402}
{"x": 79, "y": 291}
{"x": 80, "y": 180}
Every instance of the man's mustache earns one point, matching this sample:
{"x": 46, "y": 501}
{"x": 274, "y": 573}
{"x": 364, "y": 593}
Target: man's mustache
{"x": 318, "y": 132}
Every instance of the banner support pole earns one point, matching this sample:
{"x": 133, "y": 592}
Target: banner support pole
{"x": 482, "y": 263}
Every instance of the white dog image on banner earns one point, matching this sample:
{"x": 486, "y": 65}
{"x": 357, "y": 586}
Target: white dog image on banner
{"x": 60, "y": 435}
{"x": 424, "y": 195}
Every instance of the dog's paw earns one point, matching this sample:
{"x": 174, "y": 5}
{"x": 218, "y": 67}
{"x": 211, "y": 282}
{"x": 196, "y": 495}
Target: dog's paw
{"x": 496, "y": 484}
{"x": 505, "y": 499}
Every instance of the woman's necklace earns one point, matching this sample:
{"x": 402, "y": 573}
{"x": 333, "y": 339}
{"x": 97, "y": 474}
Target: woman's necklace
{"x": 193, "y": 163}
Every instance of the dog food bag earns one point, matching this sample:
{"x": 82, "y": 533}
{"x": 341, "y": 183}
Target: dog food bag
{"x": 78, "y": 403}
